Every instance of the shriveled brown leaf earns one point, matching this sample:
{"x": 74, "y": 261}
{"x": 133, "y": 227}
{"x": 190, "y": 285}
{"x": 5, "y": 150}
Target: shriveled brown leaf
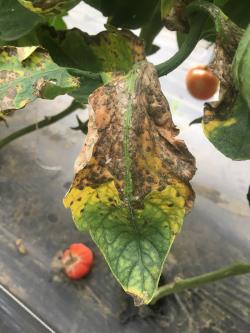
{"x": 158, "y": 158}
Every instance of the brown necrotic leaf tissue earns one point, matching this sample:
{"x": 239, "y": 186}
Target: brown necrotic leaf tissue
{"x": 131, "y": 188}
{"x": 138, "y": 119}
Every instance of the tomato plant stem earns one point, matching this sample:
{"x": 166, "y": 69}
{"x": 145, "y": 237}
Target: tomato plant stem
{"x": 43, "y": 123}
{"x": 180, "y": 284}
{"x": 186, "y": 48}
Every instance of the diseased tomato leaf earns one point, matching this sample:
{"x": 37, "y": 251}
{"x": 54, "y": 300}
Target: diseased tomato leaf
{"x": 28, "y": 73}
{"x": 109, "y": 51}
{"x": 226, "y": 122}
{"x": 131, "y": 188}
{"x": 229, "y": 131}
{"x": 49, "y": 7}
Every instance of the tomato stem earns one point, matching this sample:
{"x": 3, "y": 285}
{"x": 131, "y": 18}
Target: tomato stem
{"x": 43, "y": 123}
{"x": 186, "y": 48}
{"x": 181, "y": 284}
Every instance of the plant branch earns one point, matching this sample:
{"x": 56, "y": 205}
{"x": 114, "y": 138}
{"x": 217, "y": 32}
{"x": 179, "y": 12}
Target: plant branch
{"x": 43, "y": 123}
{"x": 180, "y": 284}
{"x": 186, "y": 48}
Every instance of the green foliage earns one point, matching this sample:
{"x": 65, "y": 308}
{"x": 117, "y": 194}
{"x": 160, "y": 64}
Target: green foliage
{"x": 129, "y": 14}
{"x": 230, "y": 135}
{"x": 28, "y": 73}
{"x": 109, "y": 51}
{"x": 229, "y": 130}
{"x": 241, "y": 67}
{"x": 15, "y": 20}
{"x": 49, "y": 7}
{"x": 136, "y": 246}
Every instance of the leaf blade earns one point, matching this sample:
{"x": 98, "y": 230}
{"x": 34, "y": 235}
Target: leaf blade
{"x": 135, "y": 252}
{"x": 22, "y": 81}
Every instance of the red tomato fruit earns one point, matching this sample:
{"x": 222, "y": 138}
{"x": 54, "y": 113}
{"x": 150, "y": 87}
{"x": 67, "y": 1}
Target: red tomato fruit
{"x": 201, "y": 82}
{"x": 77, "y": 261}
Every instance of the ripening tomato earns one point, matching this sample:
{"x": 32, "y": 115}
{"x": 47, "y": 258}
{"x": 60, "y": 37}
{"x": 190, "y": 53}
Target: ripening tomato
{"x": 201, "y": 82}
{"x": 77, "y": 261}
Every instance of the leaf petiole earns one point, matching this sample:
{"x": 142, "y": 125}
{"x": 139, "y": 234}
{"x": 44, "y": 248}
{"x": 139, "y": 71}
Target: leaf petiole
{"x": 181, "y": 284}
{"x": 43, "y": 123}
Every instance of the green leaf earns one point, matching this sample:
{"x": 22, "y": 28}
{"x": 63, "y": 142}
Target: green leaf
{"x": 109, "y": 51}
{"x": 196, "y": 121}
{"x": 36, "y": 76}
{"x": 136, "y": 245}
{"x": 49, "y": 7}
{"x": 150, "y": 30}
{"x": 241, "y": 66}
{"x": 125, "y": 13}
{"x": 238, "y": 12}
{"x": 229, "y": 132}
{"x": 87, "y": 85}
{"x": 15, "y": 20}
{"x": 57, "y": 22}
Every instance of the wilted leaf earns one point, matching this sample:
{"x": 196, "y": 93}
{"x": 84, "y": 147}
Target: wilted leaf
{"x": 131, "y": 189}
{"x": 22, "y": 81}
{"x": 173, "y": 14}
{"x": 109, "y": 51}
{"x": 15, "y": 20}
{"x": 24, "y": 52}
{"x": 49, "y": 7}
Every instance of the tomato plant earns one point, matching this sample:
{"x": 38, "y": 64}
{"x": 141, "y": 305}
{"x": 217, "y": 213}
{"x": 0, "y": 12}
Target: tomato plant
{"x": 201, "y": 82}
{"x": 131, "y": 188}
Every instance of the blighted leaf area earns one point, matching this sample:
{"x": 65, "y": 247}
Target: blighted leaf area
{"x": 111, "y": 50}
{"x": 49, "y": 7}
{"x": 174, "y": 16}
{"x": 131, "y": 188}
{"x": 226, "y": 121}
{"x": 27, "y": 73}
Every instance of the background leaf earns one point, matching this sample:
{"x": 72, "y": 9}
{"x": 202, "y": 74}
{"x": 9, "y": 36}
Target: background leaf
{"x": 15, "y": 20}
{"x": 125, "y": 13}
{"x": 108, "y": 51}
{"x": 49, "y": 7}
{"x": 37, "y": 76}
{"x": 241, "y": 66}
{"x": 230, "y": 134}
